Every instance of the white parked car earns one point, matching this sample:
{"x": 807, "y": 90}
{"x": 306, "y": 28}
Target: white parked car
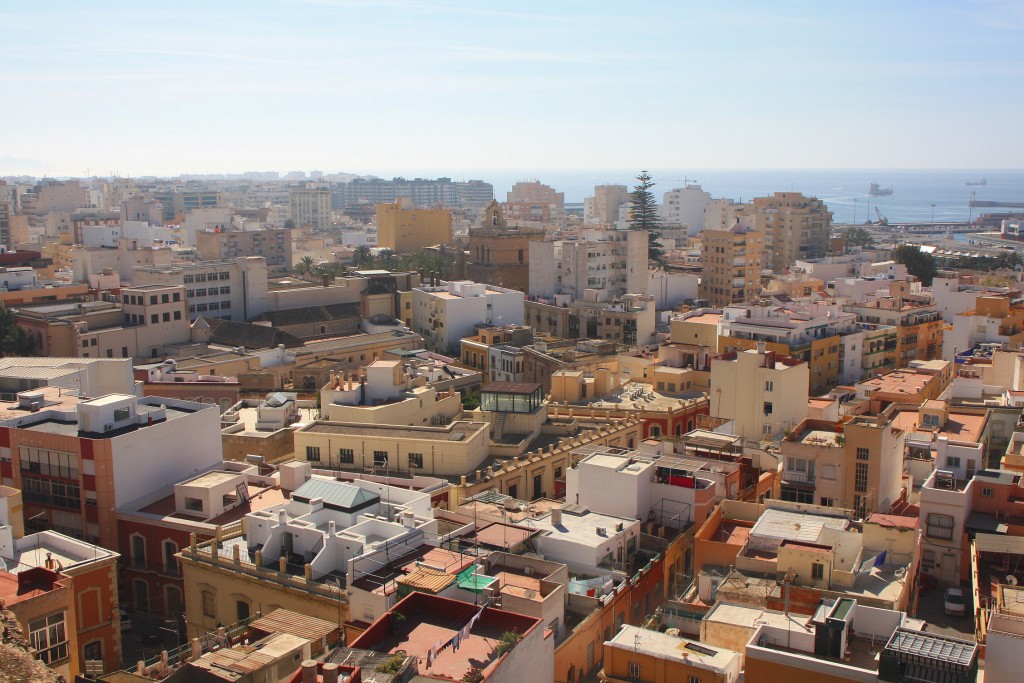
{"x": 954, "y": 602}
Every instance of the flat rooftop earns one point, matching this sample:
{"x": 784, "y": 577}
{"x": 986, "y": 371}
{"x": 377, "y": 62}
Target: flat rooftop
{"x": 959, "y": 426}
{"x": 54, "y": 426}
{"x": 673, "y": 648}
{"x": 751, "y": 617}
{"x": 450, "y": 433}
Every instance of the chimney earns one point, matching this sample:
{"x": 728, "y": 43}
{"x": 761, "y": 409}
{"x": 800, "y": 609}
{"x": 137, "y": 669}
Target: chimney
{"x": 762, "y": 347}
{"x": 556, "y": 516}
{"x": 308, "y": 667}
{"x": 329, "y": 672}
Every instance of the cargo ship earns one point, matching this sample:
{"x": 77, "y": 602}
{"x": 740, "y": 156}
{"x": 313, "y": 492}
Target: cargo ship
{"x": 983, "y": 181}
{"x": 878, "y": 191}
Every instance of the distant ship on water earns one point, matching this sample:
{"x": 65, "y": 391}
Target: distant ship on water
{"x": 983, "y": 181}
{"x": 879, "y": 191}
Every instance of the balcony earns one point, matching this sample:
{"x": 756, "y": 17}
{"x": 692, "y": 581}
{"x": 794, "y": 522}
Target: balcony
{"x": 796, "y": 477}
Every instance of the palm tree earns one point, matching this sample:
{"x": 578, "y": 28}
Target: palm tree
{"x": 306, "y": 266}
{"x": 362, "y": 256}
{"x": 387, "y": 258}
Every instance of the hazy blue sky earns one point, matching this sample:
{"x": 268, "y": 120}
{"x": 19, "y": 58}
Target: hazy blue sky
{"x": 377, "y": 86}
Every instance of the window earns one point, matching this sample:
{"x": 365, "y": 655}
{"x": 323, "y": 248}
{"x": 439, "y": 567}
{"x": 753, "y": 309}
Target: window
{"x": 188, "y": 279}
{"x": 558, "y": 473}
{"x": 155, "y": 318}
{"x": 769, "y": 385}
{"x": 209, "y": 609}
{"x": 860, "y": 481}
{"x": 767, "y": 430}
{"x": 124, "y": 352}
{"x": 828, "y": 502}
{"x": 939, "y": 526}
{"x": 241, "y": 610}
{"x": 952, "y": 461}
{"x": 165, "y": 298}
{"x": 313, "y": 453}
{"x": 380, "y": 458}
{"x": 177, "y": 315}
{"x": 634, "y": 670}
{"x": 92, "y": 342}
{"x": 176, "y": 297}
{"x": 930, "y": 420}
{"x": 768, "y": 409}
{"x": 93, "y": 651}
{"x": 85, "y": 343}
{"x": 693, "y": 679}
{"x": 138, "y": 551}
{"x": 225, "y": 290}
{"x": 121, "y": 414}
{"x": 346, "y": 456}
{"x": 863, "y": 454}
{"x": 194, "y": 504}
{"x": 817, "y": 571}
{"x": 655, "y": 431}
{"x": 167, "y": 317}
{"x": 927, "y": 559}
{"x": 415, "y": 461}
{"x": 828, "y": 472}
{"x": 986, "y": 493}
{"x": 49, "y": 638}
{"x": 152, "y": 300}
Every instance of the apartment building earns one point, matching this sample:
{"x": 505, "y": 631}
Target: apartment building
{"x": 628, "y": 320}
{"x": 275, "y": 245}
{"x": 764, "y": 393}
{"x": 794, "y": 227}
{"x": 476, "y": 349}
{"x": 310, "y": 207}
{"x": 233, "y": 289}
{"x": 955, "y": 292}
{"x": 149, "y": 318}
{"x": 919, "y": 325}
{"x": 534, "y": 202}
{"x": 446, "y": 313}
{"x": 77, "y": 460}
{"x": 666, "y": 489}
{"x": 829, "y": 341}
{"x": 856, "y": 464}
{"x": 402, "y": 228}
{"x": 603, "y": 207}
{"x": 685, "y": 206}
{"x": 731, "y": 265}
{"x": 610, "y": 262}
{"x": 499, "y": 254}
{"x": 993, "y": 320}
{"x": 83, "y": 634}
{"x": 423, "y": 192}
{"x": 178, "y": 203}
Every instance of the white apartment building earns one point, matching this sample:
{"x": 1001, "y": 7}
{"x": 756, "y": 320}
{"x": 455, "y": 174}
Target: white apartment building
{"x": 609, "y": 262}
{"x": 233, "y": 289}
{"x": 603, "y": 207}
{"x": 685, "y": 206}
{"x": 444, "y": 314}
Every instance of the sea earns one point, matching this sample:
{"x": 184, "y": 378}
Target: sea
{"x": 918, "y": 196}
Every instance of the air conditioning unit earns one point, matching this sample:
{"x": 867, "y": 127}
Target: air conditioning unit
{"x": 108, "y": 427}
{"x": 601, "y": 531}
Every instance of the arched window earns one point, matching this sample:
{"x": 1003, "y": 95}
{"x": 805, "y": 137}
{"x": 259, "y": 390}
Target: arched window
{"x": 170, "y": 549}
{"x": 173, "y": 601}
{"x": 655, "y": 431}
{"x": 138, "y": 542}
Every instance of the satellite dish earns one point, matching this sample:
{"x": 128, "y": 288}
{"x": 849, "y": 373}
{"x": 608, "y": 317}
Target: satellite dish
{"x": 1011, "y": 579}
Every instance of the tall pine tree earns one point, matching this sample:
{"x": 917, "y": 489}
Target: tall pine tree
{"x": 643, "y": 215}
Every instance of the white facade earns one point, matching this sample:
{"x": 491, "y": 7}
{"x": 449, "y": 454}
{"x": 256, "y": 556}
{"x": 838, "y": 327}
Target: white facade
{"x": 685, "y": 206}
{"x": 626, "y": 486}
{"x": 587, "y": 540}
{"x": 670, "y": 290}
{"x": 445, "y": 314}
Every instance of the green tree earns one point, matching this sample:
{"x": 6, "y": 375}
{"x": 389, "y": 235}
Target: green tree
{"x": 362, "y": 256}
{"x": 387, "y": 258}
{"x": 289, "y": 224}
{"x": 306, "y": 266}
{"x": 918, "y": 263}
{"x": 643, "y": 215}
{"x": 14, "y": 340}
{"x": 858, "y": 237}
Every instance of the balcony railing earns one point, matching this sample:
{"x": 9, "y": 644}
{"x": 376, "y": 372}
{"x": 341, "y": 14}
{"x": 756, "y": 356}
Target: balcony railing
{"x": 796, "y": 477}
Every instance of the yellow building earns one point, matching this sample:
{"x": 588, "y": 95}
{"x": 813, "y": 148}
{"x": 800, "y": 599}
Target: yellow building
{"x": 795, "y": 227}
{"x": 699, "y": 328}
{"x": 731, "y": 265}
{"x": 637, "y": 654}
{"x": 402, "y": 228}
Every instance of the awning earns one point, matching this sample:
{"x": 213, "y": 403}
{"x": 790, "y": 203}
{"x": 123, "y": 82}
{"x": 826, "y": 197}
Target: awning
{"x": 985, "y": 523}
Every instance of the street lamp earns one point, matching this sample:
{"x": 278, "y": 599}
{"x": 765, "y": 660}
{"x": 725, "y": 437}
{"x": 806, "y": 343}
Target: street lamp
{"x": 933, "y": 212}
{"x": 855, "y": 210}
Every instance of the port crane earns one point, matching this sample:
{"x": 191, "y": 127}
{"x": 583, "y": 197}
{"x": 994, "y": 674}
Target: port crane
{"x": 882, "y": 220}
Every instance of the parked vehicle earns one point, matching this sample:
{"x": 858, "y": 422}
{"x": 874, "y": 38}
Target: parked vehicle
{"x": 954, "y": 602}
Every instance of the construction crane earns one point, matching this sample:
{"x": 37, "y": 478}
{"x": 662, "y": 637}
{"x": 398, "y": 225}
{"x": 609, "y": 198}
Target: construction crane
{"x": 882, "y": 220}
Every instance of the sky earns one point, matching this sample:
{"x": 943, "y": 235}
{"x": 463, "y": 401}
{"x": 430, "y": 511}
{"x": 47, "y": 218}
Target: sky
{"x": 390, "y": 87}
